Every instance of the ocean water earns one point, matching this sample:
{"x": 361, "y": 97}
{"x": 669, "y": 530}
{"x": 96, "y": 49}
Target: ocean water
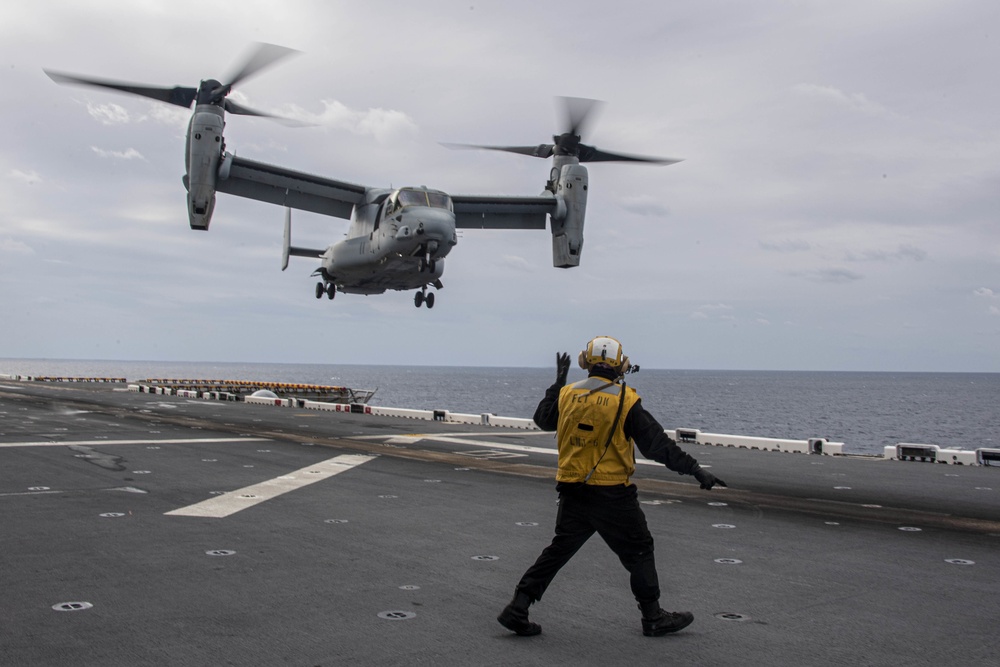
{"x": 865, "y": 411}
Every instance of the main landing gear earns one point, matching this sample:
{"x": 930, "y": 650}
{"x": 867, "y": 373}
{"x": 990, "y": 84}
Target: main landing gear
{"x": 329, "y": 288}
{"x": 422, "y": 297}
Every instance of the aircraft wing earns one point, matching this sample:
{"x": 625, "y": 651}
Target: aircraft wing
{"x": 491, "y": 212}
{"x": 284, "y": 187}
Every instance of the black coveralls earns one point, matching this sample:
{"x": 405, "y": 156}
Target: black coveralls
{"x": 612, "y": 512}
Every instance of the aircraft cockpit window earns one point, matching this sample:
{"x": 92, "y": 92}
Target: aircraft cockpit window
{"x": 412, "y": 198}
{"x": 424, "y": 198}
{"x": 439, "y": 200}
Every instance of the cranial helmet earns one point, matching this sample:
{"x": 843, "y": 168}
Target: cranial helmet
{"x": 604, "y": 350}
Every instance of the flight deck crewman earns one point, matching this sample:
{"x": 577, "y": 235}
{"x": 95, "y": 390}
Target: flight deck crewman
{"x": 596, "y": 421}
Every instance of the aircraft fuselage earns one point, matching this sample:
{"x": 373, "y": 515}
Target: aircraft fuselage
{"x": 397, "y": 240}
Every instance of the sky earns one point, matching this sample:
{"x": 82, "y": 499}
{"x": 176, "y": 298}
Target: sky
{"x": 836, "y": 207}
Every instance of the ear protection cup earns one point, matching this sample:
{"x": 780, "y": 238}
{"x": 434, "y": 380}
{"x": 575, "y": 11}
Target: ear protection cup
{"x": 582, "y": 360}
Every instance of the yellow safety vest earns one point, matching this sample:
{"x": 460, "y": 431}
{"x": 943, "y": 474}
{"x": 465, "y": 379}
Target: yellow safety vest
{"x": 587, "y": 411}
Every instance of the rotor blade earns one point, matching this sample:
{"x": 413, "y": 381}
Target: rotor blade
{"x": 578, "y": 109}
{"x": 591, "y": 154}
{"x": 239, "y": 110}
{"x": 262, "y": 55}
{"x": 541, "y": 150}
{"x": 178, "y": 95}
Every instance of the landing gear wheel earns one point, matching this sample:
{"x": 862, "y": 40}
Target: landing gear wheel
{"x": 331, "y": 291}
{"x": 319, "y": 290}
{"x": 426, "y": 263}
{"x": 422, "y": 297}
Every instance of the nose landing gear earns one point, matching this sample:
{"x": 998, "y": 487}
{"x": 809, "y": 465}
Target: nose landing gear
{"x": 427, "y": 261}
{"x": 427, "y": 264}
{"x": 422, "y": 297}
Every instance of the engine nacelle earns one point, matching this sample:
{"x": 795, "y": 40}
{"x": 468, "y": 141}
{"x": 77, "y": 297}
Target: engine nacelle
{"x": 204, "y": 151}
{"x": 567, "y": 232}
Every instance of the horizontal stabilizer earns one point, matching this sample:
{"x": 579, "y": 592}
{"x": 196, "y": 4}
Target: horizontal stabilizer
{"x": 305, "y": 252}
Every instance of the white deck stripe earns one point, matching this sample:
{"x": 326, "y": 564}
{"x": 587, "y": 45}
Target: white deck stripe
{"x": 147, "y": 441}
{"x": 234, "y": 501}
{"x": 499, "y": 445}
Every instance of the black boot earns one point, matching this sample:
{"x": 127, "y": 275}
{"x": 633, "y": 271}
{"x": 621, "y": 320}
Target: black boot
{"x": 656, "y": 622}
{"x": 514, "y": 616}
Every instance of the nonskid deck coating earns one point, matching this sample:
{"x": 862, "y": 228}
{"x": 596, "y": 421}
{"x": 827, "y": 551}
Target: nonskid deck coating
{"x": 408, "y": 557}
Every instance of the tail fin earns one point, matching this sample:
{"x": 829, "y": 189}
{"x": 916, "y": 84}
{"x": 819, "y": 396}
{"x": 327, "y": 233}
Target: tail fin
{"x": 287, "y": 245}
{"x": 288, "y": 249}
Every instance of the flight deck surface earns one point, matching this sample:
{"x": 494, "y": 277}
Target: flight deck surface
{"x": 145, "y": 529}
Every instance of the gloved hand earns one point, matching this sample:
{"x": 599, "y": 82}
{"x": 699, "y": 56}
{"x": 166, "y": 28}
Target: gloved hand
{"x": 562, "y": 367}
{"x": 707, "y": 479}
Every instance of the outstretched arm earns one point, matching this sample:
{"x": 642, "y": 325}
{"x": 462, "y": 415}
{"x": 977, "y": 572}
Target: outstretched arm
{"x": 655, "y": 445}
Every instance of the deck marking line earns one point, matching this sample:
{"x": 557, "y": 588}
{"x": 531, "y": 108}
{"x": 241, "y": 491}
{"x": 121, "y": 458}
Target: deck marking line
{"x": 234, "y": 501}
{"x": 28, "y": 493}
{"x": 454, "y": 434}
{"x": 513, "y": 448}
{"x": 146, "y": 441}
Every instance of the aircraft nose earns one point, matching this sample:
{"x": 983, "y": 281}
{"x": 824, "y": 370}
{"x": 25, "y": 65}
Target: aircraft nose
{"x": 436, "y": 224}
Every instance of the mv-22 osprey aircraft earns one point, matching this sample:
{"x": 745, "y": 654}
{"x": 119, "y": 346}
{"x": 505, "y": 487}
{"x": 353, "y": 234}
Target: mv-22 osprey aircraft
{"x": 398, "y": 238}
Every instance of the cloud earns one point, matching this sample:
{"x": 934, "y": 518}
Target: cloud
{"x": 11, "y": 247}
{"x": 167, "y": 114}
{"x": 517, "y": 263}
{"x": 902, "y": 252}
{"x": 129, "y": 154}
{"x": 385, "y": 125}
{"x": 833, "y": 275}
{"x": 31, "y": 177}
{"x": 853, "y": 101}
{"x": 109, "y": 114}
{"x": 646, "y": 205}
{"x": 987, "y": 293}
{"x": 784, "y": 246}
{"x": 709, "y": 310}
{"x": 911, "y": 252}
